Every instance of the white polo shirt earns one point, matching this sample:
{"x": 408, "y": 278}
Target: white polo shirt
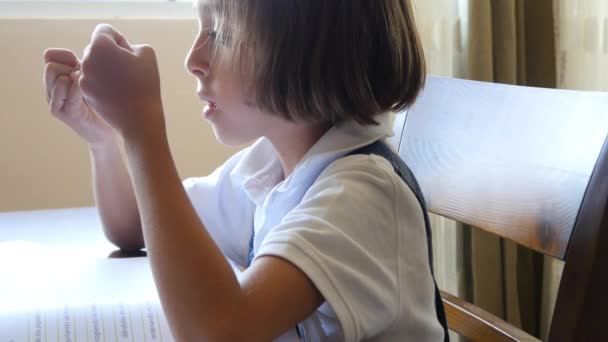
{"x": 350, "y": 224}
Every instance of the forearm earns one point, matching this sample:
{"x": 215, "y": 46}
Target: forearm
{"x": 114, "y": 196}
{"x": 197, "y": 286}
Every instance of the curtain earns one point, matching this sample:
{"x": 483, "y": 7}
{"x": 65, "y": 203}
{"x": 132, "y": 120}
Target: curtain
{"x": 544, "y": 43}
{"x": 442, "y": 31}
{"x": 511, "y": 41}
{"x": 581, "y": 39}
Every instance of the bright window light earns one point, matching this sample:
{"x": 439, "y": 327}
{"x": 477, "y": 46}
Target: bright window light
{"x": 112, "y": 9}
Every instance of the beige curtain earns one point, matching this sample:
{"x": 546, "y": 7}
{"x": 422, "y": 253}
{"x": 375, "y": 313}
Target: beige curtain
{"x": 581, "y": 39}
{"x": 442, "y": 28}
{"x": 546, "y": 43}
{"x": 511, "y": 41}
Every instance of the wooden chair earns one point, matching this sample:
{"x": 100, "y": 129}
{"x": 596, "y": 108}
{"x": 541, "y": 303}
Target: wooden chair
{"x": 529, "y": 165}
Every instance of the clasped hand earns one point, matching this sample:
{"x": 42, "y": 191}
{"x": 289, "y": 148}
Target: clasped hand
{"x": 120, "y": 82}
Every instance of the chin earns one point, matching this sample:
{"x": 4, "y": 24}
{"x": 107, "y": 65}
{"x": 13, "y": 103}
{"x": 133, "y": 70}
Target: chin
{"x": 231, "y": 139}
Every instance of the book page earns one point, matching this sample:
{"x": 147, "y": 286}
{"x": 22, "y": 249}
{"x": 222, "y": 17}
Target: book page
{"x": 92, "y": 322}
{"x": 49, "y": 296}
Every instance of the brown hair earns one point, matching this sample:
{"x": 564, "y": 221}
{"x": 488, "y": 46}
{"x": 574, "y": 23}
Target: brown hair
{"x": 326, "y": 60}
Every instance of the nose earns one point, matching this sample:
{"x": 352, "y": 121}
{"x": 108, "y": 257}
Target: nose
{"x": 197, "y": 60}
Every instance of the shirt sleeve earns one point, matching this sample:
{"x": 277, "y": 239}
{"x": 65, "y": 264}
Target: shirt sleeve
{"x": 224, "y": 208}
{"x": 347, "y": 237}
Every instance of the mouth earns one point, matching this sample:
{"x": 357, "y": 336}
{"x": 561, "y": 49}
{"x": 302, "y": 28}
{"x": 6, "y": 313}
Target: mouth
{"x": 205, "y": 97}
{"x": 209, "y": 109}
{"x": 211, "y": 106}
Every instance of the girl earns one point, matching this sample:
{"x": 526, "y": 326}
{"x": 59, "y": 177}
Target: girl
{"x": 333, "y": 240}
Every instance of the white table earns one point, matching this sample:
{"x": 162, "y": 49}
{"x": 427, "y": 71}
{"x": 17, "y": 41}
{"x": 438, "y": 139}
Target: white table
{"x": 60, "y": 280}
{"x": 76, "y": 230}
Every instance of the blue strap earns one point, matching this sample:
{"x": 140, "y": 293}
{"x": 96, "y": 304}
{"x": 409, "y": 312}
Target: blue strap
{"x": 379, "y": 148}
{"x": 251, "y": 254}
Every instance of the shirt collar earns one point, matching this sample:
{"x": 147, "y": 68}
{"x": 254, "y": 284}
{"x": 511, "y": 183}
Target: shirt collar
{"x": 260, "y": 170}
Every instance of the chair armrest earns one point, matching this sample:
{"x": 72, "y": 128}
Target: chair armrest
{"x": 477, "y": 324}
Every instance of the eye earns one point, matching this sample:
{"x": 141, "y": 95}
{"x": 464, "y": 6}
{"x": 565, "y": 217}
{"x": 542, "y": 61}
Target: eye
{"x": 220, "y": 38}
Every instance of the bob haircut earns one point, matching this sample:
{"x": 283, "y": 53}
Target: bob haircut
{"x": 324, "y": 60}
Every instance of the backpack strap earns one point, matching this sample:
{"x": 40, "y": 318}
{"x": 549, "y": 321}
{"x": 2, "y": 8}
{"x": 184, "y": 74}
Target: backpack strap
{"x": 381, "y": 149}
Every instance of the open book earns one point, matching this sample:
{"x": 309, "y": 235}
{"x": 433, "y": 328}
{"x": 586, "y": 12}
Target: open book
{"x": 47, "y": 295}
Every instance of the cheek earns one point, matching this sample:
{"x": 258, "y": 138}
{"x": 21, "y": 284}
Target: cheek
{"x": 235, "y": 87}
{"x": 234, "y": 101}
{"x": 229, "y": 89}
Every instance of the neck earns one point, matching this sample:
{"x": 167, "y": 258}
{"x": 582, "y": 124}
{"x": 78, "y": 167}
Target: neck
{"x": 293, "y": 141}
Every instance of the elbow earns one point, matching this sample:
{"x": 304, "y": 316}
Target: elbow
{"x": 223, "y": 335}
{"x": 129, "y": 246}
{"x": 128, "y": 240}
{"x": 219, "y": 328}
{"x": 217, "y": 333}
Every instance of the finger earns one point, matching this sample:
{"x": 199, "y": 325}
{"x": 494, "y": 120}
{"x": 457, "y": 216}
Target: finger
{"x": 74, "y": 94}
{"x": 84, "y": 84}
{"x": 51, "y": 71}
{"x": 59, "y": 93}
{"x": 142, "y": 49}
{"x": 108, "y": 30}
{"x": 62, "y": 56}
{"x": 75, "y": 76}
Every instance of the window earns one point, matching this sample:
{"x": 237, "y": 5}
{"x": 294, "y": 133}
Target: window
{"x": 111, "y": 9}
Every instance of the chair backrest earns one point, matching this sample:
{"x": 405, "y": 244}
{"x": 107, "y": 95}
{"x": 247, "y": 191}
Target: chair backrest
{"x": 527, "y": 164}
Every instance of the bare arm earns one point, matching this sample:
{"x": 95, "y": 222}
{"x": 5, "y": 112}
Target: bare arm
{"x": 114, "y": 196}
{"x": 201, "y": 296}
{"x": 112, "y": 184}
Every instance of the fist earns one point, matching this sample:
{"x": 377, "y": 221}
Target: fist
{"x": 120, "y": 82}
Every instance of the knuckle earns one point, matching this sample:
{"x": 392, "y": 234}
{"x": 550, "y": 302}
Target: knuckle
{"x": 85, "y": 64}
{"x": 100, "y": 27}
{"x": 55, "y": 108}
{"x": 100, "y": 43}
{"x": 103, "y": 26}
{"x": 146, "y": 50}
{"x": 55, "y": 112}
{"x": 85, "y": 53}
{"x": 83, "y": 84}
{"x": 49, "y": 69}
{"x": 47, "y": 54}
{"x": 106, "y": 41}
{"x": 51, "y": 54}
{"x": 62, "y": 80}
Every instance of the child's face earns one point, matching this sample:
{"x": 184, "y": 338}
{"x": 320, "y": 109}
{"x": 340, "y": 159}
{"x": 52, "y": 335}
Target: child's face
{"x": 234, "y": 121}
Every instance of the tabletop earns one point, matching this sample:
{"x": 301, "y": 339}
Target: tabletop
{"x": 71, "y": 230}
{"x": 61, "y": 280}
